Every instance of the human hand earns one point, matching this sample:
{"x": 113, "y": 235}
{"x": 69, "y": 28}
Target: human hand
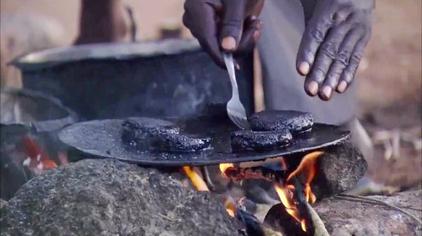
{"x": 224, "y": 25}
{"x": 336, "y": 33}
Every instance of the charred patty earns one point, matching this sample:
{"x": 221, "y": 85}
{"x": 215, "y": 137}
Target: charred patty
{"x": 243, "y": 140}
{"x": 148, "y": 134}
{"x": 179, "y": 143}
{"x": 295, "y": 121}
{"x": 145, "y": 125}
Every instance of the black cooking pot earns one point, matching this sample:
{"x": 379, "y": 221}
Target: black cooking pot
{"x": 170, "y": 78}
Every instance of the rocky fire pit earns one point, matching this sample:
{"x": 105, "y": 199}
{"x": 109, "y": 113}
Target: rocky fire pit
{"x": 107, "y": 197}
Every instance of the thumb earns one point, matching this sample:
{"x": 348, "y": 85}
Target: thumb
{"x": 232, "y": 24}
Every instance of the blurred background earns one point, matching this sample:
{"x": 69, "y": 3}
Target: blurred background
{"x": 389, "y": 77}
{"x": 390, "y": 72}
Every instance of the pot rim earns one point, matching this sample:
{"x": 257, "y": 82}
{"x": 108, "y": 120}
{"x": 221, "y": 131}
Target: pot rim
{"x": 103, "y": 51}
{"x": 43, "y": 125}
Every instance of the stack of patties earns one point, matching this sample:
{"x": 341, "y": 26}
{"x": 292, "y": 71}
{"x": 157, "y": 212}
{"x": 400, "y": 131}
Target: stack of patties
{"x": 271, "y": 130}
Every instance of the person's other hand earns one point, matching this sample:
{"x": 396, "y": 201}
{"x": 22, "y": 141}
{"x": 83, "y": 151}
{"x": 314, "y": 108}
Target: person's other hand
{"x": 336, "y": 33}
{"x": 224, "y": 25}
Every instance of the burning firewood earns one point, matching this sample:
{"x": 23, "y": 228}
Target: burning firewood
{"x": 293, "y": 183}
{"x": 37, "y": 159}
{"x": 237, "y": 174}
{"x": 293, "y": 197}
{"x": 196, "y": 179}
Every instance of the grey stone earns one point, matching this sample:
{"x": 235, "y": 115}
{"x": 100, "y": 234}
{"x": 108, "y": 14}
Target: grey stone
{"x": 339, "y": 170}
{"x": 106, "y": 197}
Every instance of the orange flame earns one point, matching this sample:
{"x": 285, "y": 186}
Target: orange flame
{"x": 196, "y": 179}
{"x": 37, "y": 159}
{"x": 200, "y": 185}
{"x": 230, "y": 206}
{"x": 224, "y": 167}
{"x": 229, "y": 203}
{"x": 286, "y": 199}
{"x": 307, "y": 167}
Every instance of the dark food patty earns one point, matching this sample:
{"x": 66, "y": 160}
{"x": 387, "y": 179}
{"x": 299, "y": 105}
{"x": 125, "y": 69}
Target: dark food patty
{"x": 295, "y": 121}
{"x": 179, "y": 143}
{"x": 145, "y": 125}
{"x": 243, "y": 140}
{"x": 148, "y": 134}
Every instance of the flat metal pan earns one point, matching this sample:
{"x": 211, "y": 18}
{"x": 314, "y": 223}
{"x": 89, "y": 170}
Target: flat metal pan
{"x": 103, "y": 138}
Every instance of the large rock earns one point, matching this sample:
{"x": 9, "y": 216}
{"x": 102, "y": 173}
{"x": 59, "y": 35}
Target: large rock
{"x": 106, "y": 197}
{"x": 339, "y": 170}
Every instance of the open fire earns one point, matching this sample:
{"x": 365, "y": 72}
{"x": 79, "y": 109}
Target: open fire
{"x": 37, "y": 158}
{"x": 307, "y": 169}
{"x": 285, "y": 183}
{"x": 25, "y": 156}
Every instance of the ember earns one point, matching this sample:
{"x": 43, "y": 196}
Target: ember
{"x": 238, "y": 172}
{"x": 37, "y": 159}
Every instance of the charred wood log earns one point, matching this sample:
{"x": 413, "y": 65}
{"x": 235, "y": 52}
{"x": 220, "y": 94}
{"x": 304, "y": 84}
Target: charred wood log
{"x": 281, "y": 221}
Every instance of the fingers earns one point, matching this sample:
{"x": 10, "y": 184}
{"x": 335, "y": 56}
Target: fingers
{"x": 220, "y": 25}
{"x": 212, "y": 47}
{"x": 315, "y": 33}
{"x": 325, "y": 56}
{"x": 349, "y": 73}
{"x": 201, "y": 18}
{"x": 313, "y": 36}
{"x": 232, "y": 24}
{"x": 342, "y": 60}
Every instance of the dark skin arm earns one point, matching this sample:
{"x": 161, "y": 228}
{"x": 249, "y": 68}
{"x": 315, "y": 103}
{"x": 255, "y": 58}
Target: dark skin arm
{"x": 337, "y": 31}
{"x": 332, "y": 45}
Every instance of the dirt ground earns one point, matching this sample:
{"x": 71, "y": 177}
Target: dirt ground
{"x": 389, "y": 77}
